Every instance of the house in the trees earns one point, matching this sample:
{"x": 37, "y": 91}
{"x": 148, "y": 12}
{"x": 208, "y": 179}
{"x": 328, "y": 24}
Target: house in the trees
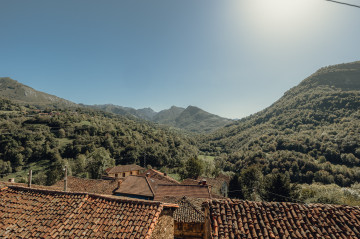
{"x": 122, "y": 171}
{"x": 246, "y": 219}
{"x": 35, "y": 213}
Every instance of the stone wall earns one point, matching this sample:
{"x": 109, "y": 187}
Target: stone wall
{"x": 164, "y": 228}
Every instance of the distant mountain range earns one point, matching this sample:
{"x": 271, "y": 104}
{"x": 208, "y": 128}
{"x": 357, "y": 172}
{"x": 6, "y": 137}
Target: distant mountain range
{"x": 191, "y": 119}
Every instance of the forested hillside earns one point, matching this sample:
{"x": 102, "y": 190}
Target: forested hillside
{"x": 25, "y": 95}
{"x": 312, "y": 132}
{"x": 88, "y": 141}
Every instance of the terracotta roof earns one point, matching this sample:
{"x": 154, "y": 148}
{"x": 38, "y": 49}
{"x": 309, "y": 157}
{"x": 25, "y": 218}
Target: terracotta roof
{"x": 97, "y": 186}
{"x": 34, "y": 213}
{"x": 189, "y": 210}
{"x": 190, "y": 181}
{"x": 196, "y": 191}
{"x": 160, "y": 176}
{"x": 124, "y": 168}
{"x": 137, "y": 185}
{"x": 245, "y": 219}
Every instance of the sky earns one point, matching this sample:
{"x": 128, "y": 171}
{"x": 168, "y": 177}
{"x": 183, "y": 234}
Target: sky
{"x": 232, "y": 58}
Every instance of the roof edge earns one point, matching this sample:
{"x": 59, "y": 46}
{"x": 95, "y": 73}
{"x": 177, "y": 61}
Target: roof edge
{"x": 110, "y": 197}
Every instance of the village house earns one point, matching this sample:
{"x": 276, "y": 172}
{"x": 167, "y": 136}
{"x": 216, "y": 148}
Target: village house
{"x": 246, "y": 219}
{"x": 189, "y": 219}
{"x": 36, "y": 213}
{"x": 219, "y": 185}
{"x": 122, "y": 171}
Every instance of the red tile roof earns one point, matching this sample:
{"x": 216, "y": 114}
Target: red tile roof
{"x": 136, "y": 185}
{"x": 97, "y": 186}
{"x": 160, "y": 176}
{"x": 34, "y": 213}
{"x": 196, "y": 191}
{"x": 245, "y": 219}
{"x": 124, "y": 168}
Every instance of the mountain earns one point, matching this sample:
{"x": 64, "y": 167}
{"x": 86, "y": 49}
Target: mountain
{"x": 23, "y": 94}
{"x": 168, "y": 116}
{"x": 191, "y": 119}
{"x": 311, "y": 133}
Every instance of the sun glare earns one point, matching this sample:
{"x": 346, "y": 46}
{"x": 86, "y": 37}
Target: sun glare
{"x": 280, "y": 20}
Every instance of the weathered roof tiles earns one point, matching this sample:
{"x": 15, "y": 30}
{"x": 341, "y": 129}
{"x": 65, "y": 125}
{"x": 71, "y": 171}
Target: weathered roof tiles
{"x": 31, "y": 213}
{"x": 246, "y": 219}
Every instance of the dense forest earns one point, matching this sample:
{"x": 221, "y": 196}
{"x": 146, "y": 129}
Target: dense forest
{"x": 311, "y": 133}
{"x": 88, "y": 141}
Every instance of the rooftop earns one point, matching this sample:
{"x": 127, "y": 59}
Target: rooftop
{"x": 124, "y": 168}
{"x": 137, "y": 185}
{"x": 35, "y": 213}
{"x": 98, "y": 186}
{"x": 189, "y": 210}
{"x": 196, "y": 191}
{"x": 246, "y": 219}
{"x": 155, "y": 174}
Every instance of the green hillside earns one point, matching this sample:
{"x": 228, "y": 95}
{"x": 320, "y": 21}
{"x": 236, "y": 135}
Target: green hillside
{"x": 86, "y": 140}
{"x": 312, "y": 132}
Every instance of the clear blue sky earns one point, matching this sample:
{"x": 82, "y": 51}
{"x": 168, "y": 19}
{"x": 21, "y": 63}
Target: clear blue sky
{"x": 231, "y": 58}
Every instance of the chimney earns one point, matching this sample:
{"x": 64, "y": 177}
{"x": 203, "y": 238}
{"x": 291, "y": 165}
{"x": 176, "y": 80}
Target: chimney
{"x": 147, "y": 175}
{"x": 203, "y": 182}
{"x": 119, "y": 183}
{"x": 11, "y": 180}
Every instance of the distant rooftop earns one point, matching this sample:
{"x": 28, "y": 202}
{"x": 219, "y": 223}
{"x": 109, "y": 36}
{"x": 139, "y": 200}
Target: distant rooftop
{"x": 124, "y": 168}
{"x": 196, "y": 191}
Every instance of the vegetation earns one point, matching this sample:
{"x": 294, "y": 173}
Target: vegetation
{"x": 312, "y": 132}
{"x": 191, "y": 119}
{"x": 87, "y": 141}
{"x": 309, "y": 137}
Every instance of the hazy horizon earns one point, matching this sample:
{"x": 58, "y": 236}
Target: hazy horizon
{"x": 230, "y": 58}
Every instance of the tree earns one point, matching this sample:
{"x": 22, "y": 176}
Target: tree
{"x": 251, "y": 180}
{"x": 193, "y": 168}
{"x": 277, "y": 188}
{"x": 235, "y": 189}
{"x": 99, "y": 160}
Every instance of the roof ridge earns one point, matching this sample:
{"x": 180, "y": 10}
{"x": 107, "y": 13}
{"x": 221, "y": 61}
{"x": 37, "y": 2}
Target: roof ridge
{"x": 188, "y": 201}
{"x": 93, "y": 195}
{"x": 152, "y": 190}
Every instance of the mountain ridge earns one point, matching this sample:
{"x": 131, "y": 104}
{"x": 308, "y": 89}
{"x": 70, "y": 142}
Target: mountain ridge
{"x": 310, "y": 133}
{"x": 173, "y": 117}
